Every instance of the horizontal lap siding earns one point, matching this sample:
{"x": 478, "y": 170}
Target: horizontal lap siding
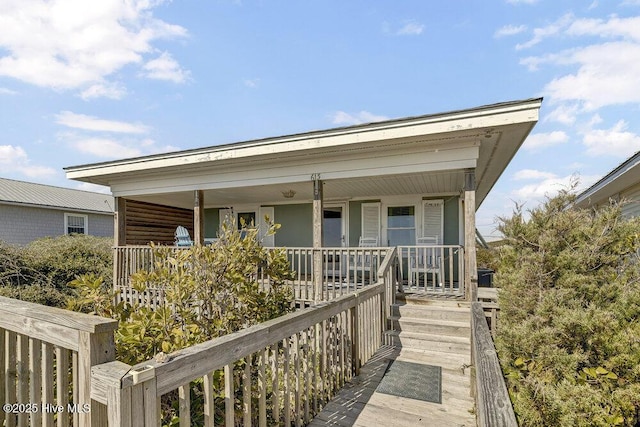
{"x": 147, "y": 222}
{"x": 632, "y": 206}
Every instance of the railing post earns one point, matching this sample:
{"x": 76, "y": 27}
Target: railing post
{"x": 94, "y": 348}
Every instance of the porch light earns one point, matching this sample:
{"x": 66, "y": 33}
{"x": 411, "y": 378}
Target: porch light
{"x": 288, "y": 194}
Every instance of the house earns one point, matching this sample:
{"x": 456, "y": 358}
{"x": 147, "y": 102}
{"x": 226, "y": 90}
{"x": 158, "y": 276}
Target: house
{"x": 402, "y": 183}
{"x": 622, "y": 183}
{"x": 30, "y": 211}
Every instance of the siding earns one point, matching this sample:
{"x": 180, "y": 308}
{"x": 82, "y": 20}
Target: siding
{"x": 632, "y": 207}
{"x": 20, "y": 225}
{"x": 296, "y": 221}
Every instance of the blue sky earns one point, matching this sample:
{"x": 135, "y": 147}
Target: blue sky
{"x": 84, "y": 82}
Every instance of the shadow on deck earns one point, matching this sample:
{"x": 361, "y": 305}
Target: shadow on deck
{"x": 360, "y": 404}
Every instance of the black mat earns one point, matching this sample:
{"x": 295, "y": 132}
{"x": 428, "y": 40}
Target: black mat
{"x": 412, "y": 380}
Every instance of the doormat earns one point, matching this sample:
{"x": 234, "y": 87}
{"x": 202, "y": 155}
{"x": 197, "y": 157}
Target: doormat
{"x": 412, "y": 380}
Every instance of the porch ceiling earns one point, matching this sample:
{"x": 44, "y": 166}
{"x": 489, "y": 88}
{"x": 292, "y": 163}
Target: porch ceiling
{"x": 435, "y": 183}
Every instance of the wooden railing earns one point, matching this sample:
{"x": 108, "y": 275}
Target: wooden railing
{"x": 281, "y": 371}
{"x": 493, "y": 406}
{"x": 46, "y": 356}
{"x": 432, "y": 268}
{"x": 344, "y": 270}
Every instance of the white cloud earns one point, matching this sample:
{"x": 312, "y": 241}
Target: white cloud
{"x": 611, "y": 142}
{"x": 15, "y": 159}
{"x": 626, "y": 28}
{"x": 106, "y": 148}
{"x": 550, "y": 186}
{"x": 608, "y": 74}
{"x": 90, "y": 123}
{"x": 565, "y": 114}
{"x": 5, "y": 91}
{"x": 543, "y": 140}
{"x": 343, "y": 118}
{"x": 75, "y": 44}
{"x": 509, "y": 30}
{"x": 165, "y": 68}
{"x": 532, "y": 174}
{"x": 541, "y": 33}
{"x": 108, "y": 90}
{"x": 251, "y": 82}
{"x": 410, "y": 29}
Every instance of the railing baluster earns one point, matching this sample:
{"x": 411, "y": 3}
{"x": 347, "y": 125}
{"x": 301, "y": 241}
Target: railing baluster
{"x": 229, "y": 396}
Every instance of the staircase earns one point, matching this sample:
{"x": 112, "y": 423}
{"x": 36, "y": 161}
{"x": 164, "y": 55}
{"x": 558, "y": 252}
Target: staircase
{"x": 437, "y": 332}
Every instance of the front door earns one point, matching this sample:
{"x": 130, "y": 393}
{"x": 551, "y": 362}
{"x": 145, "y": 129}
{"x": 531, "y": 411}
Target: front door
{"x": 334, "y": 236}
{"x": 333, "y": 226}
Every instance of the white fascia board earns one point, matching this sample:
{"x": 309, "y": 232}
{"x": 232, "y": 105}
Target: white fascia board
{"x": 422, "y": 126}
{"x": 336, "y": 168}
{"x": 626, "y": 175}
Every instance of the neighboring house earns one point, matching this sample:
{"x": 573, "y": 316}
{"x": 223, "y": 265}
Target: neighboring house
{"x": 396, "y": 183}
{"x": 30, "y": 211}
{"x": 622, "y": 183}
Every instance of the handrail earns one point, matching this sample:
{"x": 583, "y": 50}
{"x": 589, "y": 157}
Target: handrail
{"x": 493, "y": 405}
{"x": 36, "y": 335}
{"x": 209, "y": 356}
{"x": 318, "y": 348}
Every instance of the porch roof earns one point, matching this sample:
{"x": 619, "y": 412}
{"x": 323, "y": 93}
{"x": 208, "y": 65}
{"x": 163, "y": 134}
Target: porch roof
{"x": 416, "y": 155}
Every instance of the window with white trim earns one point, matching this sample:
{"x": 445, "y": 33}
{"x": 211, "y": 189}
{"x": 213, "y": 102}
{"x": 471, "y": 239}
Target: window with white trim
{"x": 401, "y": 225}
{"x": 76, "y": 224}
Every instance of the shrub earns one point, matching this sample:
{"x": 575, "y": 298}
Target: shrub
{"x": 61, "y": 259}
{"x": 209, "y": 291}
{"x": 41, "y": 271}
{"x": 568, "y": 338}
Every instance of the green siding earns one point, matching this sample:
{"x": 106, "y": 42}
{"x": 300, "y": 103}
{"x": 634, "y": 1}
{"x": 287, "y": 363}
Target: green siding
{"x": 355, "y": 222}
{"x": 211, "y": 222}
{"x": 296, "y": 225}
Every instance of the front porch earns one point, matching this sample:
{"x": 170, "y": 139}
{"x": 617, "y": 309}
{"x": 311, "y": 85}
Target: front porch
{"x": 340, "y": 271}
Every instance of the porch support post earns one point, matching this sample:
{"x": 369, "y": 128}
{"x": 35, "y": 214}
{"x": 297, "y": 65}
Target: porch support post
{"x": 317, "y": 236}
{"x": 470, "y": 271}
{"x": 119, "y": 222}
{"x": 198, "y": 217}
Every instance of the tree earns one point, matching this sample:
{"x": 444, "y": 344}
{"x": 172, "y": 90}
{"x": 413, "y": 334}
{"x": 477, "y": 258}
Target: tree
{"x": 568, "y": 337}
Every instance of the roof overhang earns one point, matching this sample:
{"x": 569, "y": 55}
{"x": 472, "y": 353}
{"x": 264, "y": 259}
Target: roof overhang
{"x": 622, "y": 177}
{"x": 411, "y": 153}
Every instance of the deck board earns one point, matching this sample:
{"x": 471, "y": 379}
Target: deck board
{"x": 359, "y": 404}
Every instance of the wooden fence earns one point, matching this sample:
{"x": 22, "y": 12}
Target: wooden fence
{"x": 46, "y": 355}
{"x": 281, "y": 371}
{"x": 493, "y": 405}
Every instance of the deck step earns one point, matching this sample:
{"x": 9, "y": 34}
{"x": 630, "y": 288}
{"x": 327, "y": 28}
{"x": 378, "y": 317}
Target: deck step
{"x": 444, "y": 312}
{"x": 416, "y": 340}
{"x": 431, "y": 326}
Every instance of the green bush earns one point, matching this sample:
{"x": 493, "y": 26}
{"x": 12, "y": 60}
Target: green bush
{"x": 61, "y": 259}
{"x": 569, "y": 336}
{"x": 41, "y": 271}
{"x": 209, "y": 291}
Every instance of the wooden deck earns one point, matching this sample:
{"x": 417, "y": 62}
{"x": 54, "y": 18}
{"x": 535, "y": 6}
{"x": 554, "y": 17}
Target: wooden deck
{"x": 360, "y": 404}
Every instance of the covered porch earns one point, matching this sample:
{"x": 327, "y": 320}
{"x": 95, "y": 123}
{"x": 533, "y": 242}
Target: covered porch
{"x": 342, "y": 196}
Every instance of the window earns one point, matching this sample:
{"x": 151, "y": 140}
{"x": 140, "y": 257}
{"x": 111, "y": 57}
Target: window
{"x": 401, "y": 225}
{"x": 75, "y": 224}
{"x": 248, "y": 219}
